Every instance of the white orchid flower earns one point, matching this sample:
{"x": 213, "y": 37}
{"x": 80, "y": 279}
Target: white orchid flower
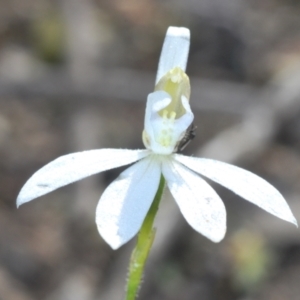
{"x": 126, "y": 201}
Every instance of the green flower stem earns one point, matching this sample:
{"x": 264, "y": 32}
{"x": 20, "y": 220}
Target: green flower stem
{"x": 144, "y": 242}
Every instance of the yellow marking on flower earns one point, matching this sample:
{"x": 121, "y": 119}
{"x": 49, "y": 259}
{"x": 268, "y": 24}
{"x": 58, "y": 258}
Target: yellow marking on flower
{"x": 146, "y": 139}
{"x": 172, "y": 115}
{"x": 166, "y": 133}
{"x": 177, "y": 84}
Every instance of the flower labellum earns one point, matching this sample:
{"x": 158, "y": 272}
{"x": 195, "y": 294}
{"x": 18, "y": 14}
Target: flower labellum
{"x": 126, "y": 201}
{"x": 168, "y": 113}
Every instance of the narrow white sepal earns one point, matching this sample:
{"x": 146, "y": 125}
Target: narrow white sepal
{"x": 126, "y": 201}
{"x": 199, "y": 203}
{"x": 175, "y": 51}
{"x": 244, "y": 183}
{"x": 72, "y": 167}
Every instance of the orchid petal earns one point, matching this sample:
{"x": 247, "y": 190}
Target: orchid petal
{"x": 72, "y": 167}
{"x": 244, "y": 183}
{"x": 175, "y": 51}
{"x": 126, "y": 201}
{"x": 199, "y": 203}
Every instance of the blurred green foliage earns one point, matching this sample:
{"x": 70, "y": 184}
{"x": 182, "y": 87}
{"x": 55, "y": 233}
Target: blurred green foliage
{"x": 49, "y": 37}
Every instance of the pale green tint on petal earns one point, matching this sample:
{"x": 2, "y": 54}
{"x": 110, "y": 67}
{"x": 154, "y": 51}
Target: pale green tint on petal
{"x": 244, "y": 183}
{"x": 126, "y": 201}
{"x": 175, "y": 51}
{"x": 72, "y": 167}
{"x": 177, "y": 84}
{"x": 199, "y": 203}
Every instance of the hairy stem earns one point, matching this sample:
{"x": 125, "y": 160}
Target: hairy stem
{"x": 144, "y": 242}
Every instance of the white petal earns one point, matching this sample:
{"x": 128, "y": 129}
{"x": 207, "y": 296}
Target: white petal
{"x": 72, "y": 167}
{"x": 126, "y": 201}
{"x": 199, "y": 203}
{"x": 244, "y": 183}
{"x": 175, "y": 51}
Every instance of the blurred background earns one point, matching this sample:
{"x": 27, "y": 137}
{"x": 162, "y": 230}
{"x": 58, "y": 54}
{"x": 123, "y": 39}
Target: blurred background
{"x": 75, "y": 74}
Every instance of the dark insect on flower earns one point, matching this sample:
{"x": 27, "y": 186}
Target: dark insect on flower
{"x": 190, "y": 134}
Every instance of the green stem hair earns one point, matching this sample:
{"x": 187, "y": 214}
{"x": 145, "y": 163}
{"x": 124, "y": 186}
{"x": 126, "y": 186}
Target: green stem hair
{"x": 144, "y": 242}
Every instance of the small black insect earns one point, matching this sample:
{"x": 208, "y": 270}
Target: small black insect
{"x": 188, "y": 137}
